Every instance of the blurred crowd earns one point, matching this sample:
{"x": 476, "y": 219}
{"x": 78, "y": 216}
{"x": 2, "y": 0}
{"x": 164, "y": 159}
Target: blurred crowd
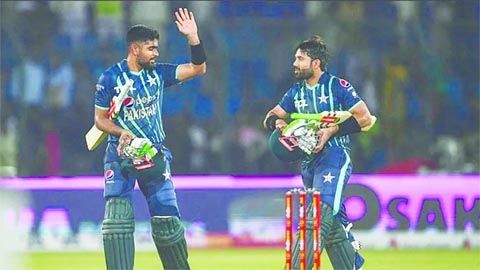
{"x": 416, "y": 65}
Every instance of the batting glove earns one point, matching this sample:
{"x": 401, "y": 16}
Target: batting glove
{"x": 305, "y": 135}
{"x": 140, "y": 148}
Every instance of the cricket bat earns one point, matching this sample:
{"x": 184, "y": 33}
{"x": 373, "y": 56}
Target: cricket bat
{"x": 330, "y": 118}
{"x": 325, "y": 118}
{"x": 95, "y": 136}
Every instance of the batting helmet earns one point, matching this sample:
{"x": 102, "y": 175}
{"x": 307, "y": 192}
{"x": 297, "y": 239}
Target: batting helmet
{"x": 285, "y": 148}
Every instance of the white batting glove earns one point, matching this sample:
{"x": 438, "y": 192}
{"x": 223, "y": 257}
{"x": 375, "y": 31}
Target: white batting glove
{"x": 139, "y": 148}
{"x": 308, "y": 141}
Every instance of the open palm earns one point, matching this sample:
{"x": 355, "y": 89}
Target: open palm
{"x": 185, "y": 22}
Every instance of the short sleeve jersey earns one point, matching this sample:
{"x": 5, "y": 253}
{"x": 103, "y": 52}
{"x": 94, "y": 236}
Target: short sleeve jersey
{"x": 141, "y": 110}
{"x": 329, "y": 94}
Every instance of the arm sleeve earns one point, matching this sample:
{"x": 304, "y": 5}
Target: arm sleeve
{"x": 168, "y": 73}
{"x": 103, "y": 92}
{"x": 348, "y": 95}
{"x": 287, "y": 102}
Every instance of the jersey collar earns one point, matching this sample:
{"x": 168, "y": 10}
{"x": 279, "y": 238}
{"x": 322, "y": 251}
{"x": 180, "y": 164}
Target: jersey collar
{"x": 323, "y": 80}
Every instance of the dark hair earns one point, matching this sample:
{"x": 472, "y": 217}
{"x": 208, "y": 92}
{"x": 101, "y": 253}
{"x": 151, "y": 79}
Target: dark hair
{"x": 141, "y": 32}
{"x": 315, "y": 48}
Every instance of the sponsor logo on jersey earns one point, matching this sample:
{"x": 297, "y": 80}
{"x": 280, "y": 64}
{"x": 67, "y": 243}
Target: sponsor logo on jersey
{"x": 142, "y": 113}
{"x": 300, "y": 104}
{"x": 118, "y": 88}
{"x": 147, "y": 99}
{"x": 129, "y": 102}
{"x": 109, "y": 175}
{"x": 99, "y": 87}
{"x": 344, "y": 83}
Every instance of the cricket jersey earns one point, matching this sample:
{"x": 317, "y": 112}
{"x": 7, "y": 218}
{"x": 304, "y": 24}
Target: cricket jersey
{"x": 329, "y": 170}
{"x": 141, "y": 110}
{"x": 329, "y": 94}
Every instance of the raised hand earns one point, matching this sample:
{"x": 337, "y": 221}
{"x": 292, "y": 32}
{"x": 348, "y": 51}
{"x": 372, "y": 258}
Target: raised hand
{"x": 186, "y": 25}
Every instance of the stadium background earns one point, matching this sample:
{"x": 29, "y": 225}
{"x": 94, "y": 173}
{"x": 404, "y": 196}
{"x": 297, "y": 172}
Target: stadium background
{"x": 416, "y": 64}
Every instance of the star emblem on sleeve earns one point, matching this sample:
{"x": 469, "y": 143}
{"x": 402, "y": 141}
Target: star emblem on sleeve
{"x": 328, "y": 177}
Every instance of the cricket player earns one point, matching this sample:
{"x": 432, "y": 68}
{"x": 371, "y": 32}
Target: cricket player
{"x": 135, "y": 149}
{"x": 327, "y": 166}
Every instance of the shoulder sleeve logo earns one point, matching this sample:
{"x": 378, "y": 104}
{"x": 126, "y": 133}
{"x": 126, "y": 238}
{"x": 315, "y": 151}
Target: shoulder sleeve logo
{"x": 344, "y": 83}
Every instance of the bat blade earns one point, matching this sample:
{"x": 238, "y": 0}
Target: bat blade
{"x": 94, "y": 136}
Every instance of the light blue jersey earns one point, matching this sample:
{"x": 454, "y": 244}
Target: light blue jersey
{"x": 329, "y": 94}
{"x": 141, "y": 110}
{"x": 140, "y": 114}
{"x": 329, "y": 170}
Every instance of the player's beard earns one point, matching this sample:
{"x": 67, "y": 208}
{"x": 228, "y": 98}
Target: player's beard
{"x": 303, "y": 74}
{"x": 147, "y": 64}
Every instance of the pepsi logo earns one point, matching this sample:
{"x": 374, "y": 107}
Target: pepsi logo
{"x": 128, "y": 102}
{"x": 344, "y": 83}
{"x": 109, "y": 175}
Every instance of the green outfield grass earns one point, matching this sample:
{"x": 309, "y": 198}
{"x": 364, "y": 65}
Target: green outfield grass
{"x": 262, "y": 259}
